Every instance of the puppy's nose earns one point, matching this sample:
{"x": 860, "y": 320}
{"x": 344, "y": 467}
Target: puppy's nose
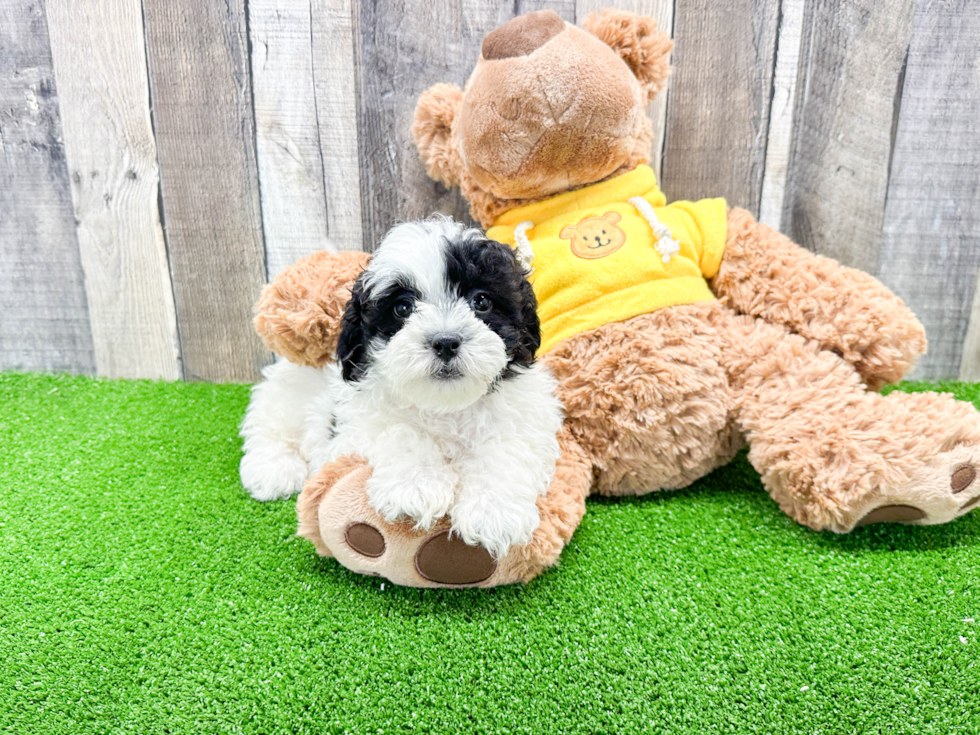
{"x": 522, "y": 35}
{"x": 446, "y": 345}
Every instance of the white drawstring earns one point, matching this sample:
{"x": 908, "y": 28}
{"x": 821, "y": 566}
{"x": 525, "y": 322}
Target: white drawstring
{"x": 666, "y": 245}
{"x": 524, "y": 251}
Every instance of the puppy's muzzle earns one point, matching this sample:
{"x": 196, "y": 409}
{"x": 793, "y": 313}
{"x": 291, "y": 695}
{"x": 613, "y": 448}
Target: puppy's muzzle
{"x": 446, "y": 345}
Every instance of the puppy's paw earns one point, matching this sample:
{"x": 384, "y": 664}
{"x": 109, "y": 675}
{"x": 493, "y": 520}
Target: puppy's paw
{"x": 484, "y": 520}
{"x": 272, "y": 475}
{"x": 424, "y": 495}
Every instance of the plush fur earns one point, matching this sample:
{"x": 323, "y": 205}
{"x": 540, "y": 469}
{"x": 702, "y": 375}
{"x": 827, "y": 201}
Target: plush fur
{"x": 299, "y": 313}
{"x": 786, "y": 360}
{"x": 439, "y": 392}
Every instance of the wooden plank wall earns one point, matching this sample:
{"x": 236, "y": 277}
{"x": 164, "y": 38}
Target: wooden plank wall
{"x": 161, "y": 159}
{"x": 44, "y": 319}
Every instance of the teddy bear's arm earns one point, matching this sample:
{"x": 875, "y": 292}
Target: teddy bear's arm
{"x": 763, "y": 273}
{"x": 298, "y": 315}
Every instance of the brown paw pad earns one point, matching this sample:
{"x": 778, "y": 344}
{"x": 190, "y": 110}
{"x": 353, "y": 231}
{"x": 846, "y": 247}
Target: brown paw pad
{"x": 365, "y": 539}
{"x": 445, "y": 559}
{"x": 892, "y": 514}
{"x": 962, "y": 478}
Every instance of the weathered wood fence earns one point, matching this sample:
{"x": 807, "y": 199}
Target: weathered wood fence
{"x": 160, "y": 160}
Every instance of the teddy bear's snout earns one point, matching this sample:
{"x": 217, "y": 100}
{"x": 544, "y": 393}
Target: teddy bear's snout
{"x": 522, "y": 35}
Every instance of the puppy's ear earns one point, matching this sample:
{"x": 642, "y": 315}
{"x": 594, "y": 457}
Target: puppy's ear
{"x": 638, "y": 42}
{"x": 351, "y": 351}
{"x": 527, "y": 318}
{"x": 432, "y": 131}
{"x": 530, "y": 325}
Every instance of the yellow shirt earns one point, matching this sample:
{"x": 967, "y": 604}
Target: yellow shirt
{"x": 598, "y": 259}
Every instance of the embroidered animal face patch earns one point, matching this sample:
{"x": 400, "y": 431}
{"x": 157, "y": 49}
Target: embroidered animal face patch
{"x": 595, "y": 237}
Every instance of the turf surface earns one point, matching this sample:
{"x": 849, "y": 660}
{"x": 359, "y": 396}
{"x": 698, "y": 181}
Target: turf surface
{"x": 142, "y": 591}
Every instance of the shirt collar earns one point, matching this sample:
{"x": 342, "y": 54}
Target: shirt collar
{"x": 637, "y": 182}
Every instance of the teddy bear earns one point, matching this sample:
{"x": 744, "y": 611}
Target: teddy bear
{"x": 678, "y": 333}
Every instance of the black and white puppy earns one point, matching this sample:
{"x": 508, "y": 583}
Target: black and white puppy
{"x": 440, "y": 392}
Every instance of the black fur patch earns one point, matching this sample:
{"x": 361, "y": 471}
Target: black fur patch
{"x": 480, "y": 264}
{"x": 366, "y": 320}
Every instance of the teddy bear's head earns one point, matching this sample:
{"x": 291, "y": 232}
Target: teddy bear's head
{"x": 548, "y": 108}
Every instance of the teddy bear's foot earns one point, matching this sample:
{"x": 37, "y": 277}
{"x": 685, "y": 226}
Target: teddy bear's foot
{"x": 943, "y": 489}
{"x": 361, "y": 540}
{"x": 334, "y": 514}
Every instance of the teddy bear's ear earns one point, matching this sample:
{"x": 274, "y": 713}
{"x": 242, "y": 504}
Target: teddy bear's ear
{"x": 567, "y": 232}
{"x": 638, "y": 42}
{"x": 611, "y": 217}
{"x": 434, "y": 114}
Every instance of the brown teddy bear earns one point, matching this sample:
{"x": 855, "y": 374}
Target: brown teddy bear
{"x": 677, "y": 333}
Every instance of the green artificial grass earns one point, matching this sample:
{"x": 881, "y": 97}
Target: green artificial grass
{"x": 142, "y": 591}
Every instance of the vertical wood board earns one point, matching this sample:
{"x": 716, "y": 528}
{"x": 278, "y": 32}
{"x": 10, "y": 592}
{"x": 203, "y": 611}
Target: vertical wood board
{"x": 849, "y": 75}
{"x": 202, "y": 113}
{"x": 100, "y": 63}
{"x": 294, "y": 206}
{"x": 334, "y": 80}
{"x": 44, "y": 322}
{"x": 718, "y": 106}
{"x": 780, "y": 136}
{"x": 930, "y": 245}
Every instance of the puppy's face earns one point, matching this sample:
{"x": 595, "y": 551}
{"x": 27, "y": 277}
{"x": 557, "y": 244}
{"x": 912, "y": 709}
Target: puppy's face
{"x": 439, "y": 316}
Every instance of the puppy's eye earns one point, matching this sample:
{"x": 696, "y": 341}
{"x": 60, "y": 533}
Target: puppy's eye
{"x": 403, "y": 309}
{"x": 481, "y": 303}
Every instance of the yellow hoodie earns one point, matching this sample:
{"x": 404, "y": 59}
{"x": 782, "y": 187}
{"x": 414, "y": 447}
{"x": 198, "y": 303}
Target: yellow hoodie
{"x": 614, "y": 250}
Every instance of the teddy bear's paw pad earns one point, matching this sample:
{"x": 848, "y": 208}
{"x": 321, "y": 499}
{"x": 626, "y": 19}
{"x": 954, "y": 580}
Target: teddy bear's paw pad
{"x": 963, "y": 481}
{"x": 943, "y": 489}
{"x": 962, "y": 478}
{"x": 892, "y": 514}
{"x": 365, "y": 539}
{"x": 446, "y": 559}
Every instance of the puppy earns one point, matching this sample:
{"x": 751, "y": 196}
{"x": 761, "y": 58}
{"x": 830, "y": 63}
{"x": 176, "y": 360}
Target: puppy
{"x": 436, "y": 387}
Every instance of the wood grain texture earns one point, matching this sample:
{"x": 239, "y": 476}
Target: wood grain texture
{"x": 336, "y": 105}
{"x": 663, "y": 12}
{"x": 294, "y": 206}
{"x": 780, "y": 136}
{"x": 850, "y": 66}
{"x": 718, "y": 104}
{"x": 201, "y": 99}
{"x": 930, "y": 244}
{"x": 100, "y": 64}
{"x": 44, "y": 322}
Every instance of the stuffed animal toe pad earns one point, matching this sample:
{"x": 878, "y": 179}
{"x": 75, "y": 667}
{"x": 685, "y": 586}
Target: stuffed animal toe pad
{"x": 334, "y": 513}
{"x": 941, "y": 490}
{"x": 942, "y": 482}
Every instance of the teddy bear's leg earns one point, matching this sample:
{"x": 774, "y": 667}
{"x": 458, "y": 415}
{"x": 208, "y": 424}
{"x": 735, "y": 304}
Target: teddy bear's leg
{"x": 836, "y": 456}
{"x": 648, "y": 399}
{"x": 847, "y": 311}
{"x": 334, "y": 514}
